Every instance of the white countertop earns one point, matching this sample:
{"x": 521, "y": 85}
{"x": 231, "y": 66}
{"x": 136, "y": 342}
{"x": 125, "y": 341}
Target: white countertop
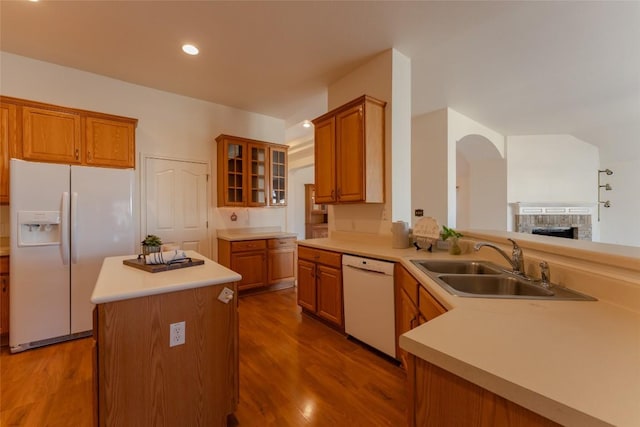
{"x": 575, "y": 362}
{"x": 117, "y": 281}
{"x": 237, "y": 235}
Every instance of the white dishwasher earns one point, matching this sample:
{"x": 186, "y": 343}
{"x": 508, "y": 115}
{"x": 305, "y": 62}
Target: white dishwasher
{"x": 369, "y": 311}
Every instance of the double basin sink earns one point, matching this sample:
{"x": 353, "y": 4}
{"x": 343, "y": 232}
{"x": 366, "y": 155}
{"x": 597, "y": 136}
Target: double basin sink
{"x": 482, "y": 279}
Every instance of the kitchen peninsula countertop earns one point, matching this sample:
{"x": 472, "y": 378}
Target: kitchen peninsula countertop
{"x": 574, "y": 362}
{"x": 234, "y": 235}
{"x": 117, "y": 281}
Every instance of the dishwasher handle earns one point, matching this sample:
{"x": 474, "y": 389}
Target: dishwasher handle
{"x": 366, "y": 270}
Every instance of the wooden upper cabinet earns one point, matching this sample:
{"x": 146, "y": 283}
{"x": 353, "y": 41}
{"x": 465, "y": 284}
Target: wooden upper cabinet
{"x": 50, "y": 133}
{"x": 349, "y": 153}
{"x": 110, "y": 142}
{"x": 7, "y": 144}
{"x": 325, "y": 160}
{"x": 51, "y": 136}
{"x": 231, "y": 167}
{"x": 251, "y": 173}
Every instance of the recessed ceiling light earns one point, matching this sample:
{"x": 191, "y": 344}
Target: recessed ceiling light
{"x": 306, "y": 124}
{"x": 190, "y": 49}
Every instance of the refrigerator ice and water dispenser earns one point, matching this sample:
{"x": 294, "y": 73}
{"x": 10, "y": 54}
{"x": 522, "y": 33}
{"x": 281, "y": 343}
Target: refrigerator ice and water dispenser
{"x": 38, "y": 228}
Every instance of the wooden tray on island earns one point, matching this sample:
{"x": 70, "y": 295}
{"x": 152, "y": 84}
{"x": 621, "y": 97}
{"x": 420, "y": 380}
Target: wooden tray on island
{"x": 141, "y": 264}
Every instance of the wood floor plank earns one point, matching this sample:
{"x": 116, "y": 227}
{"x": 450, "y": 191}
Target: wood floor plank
{"x": 294, "y": 371}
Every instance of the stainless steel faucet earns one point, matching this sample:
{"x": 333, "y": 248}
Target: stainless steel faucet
{"x": 517, "y": 257}
{"x": 545, "y": 275}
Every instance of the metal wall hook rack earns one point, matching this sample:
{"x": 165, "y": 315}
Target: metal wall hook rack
{"x": 607, "y": 187}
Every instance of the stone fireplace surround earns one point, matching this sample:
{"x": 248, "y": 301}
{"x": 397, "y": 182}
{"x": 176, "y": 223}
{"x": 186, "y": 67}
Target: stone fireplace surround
{"x": 548, "y": 215}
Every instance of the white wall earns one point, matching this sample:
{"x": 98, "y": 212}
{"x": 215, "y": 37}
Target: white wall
{"x": 435, "y": 140}
{"x": 379, "y": 78}
{"x": 429, "y": 165}
{"x": 620, "y": 224}
{"x": 168, "y": 125}
{"x": 552, "y": 168}
{"x": 484, "y": 182}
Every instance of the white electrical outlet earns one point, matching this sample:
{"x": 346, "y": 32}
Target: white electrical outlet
{"x": 177, "y": 334}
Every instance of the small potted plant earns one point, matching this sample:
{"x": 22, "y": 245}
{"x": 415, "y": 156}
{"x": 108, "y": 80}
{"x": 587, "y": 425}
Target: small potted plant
{"x": 151, "y": 244}
{"x": 447, "y": 233}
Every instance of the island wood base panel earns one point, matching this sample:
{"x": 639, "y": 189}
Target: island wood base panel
{"x": 440, "y": 398}
{"x": 140, "y": 380}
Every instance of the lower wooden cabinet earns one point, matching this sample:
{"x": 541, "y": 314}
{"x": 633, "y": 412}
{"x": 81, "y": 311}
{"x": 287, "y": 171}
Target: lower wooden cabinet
{"x": 440, "y": 398}
{"x": 281, "y": 258}
{"x": 139, "y": 380}
{"x": 4, "y": 300}
{"x": 260, "y": 262}
{"x": 320, "y": 284}
{"x": 414, "y": 306}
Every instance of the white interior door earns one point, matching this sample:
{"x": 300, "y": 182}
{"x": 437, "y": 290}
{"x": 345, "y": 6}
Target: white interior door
{"x": 177, "y": 203}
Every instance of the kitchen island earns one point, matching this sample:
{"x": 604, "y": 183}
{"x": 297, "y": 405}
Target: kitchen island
{"x": 143, "y": 374}
{"x": 571, "y": 362}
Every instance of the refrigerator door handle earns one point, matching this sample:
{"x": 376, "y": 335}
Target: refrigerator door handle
{"x": 74, "y": 227}
{"x": 64, "y": 229}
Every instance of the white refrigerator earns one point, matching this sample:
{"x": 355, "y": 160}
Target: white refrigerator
{"x": 64, "y": 221}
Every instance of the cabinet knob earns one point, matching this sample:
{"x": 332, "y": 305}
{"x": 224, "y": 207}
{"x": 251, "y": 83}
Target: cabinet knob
{"x": 77, "y": 154}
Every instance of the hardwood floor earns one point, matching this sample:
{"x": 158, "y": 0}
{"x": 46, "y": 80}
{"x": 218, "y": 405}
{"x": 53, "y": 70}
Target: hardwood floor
{"x": 294, "y": 371}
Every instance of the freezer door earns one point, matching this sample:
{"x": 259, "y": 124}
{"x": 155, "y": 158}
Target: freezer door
{"x": 101, "y": 226}
{"x": 39, "y": 297}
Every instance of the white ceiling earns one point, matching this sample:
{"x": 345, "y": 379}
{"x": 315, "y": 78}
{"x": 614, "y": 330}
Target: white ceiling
{"x": 517, "y": 67}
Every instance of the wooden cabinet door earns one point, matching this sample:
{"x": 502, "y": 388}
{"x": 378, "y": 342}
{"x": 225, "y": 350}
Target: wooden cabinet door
{"x": 258, "y": 177}
{"x": 407, "y": 319}
{"x": 281, "y": 264}
{"x": 329, "y": 283}
{"x": 350, "y": 156}
{"x": 278, "y": 174}
{"x": 109, "y": 143}
{"x": 252, "y": 266}
{"x": 325, "y": 161}
{"x": 51, "y": 136}
{"x": 307, "y": 285}
{"x": 231, "y": 177}
{"x": 7, "y": 141}
{"x": 429, "y": 307}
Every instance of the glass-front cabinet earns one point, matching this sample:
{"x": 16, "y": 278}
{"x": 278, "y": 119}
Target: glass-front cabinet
{"x": 251, "y": 173}
{"x": 231, "y": 167}
{"x": 258, "y": 175}
{"x": 278, "y": 176}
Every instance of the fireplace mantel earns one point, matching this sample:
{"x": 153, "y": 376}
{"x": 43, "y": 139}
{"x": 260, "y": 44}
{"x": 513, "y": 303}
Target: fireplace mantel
{"x": 552, "y": 208}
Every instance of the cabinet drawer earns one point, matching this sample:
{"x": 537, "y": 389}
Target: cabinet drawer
{"x": 333, "y": 259}
{"x": 248, "y": 245}
{"x": 4, "y": 264}
{"x": 287, "y": 242}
